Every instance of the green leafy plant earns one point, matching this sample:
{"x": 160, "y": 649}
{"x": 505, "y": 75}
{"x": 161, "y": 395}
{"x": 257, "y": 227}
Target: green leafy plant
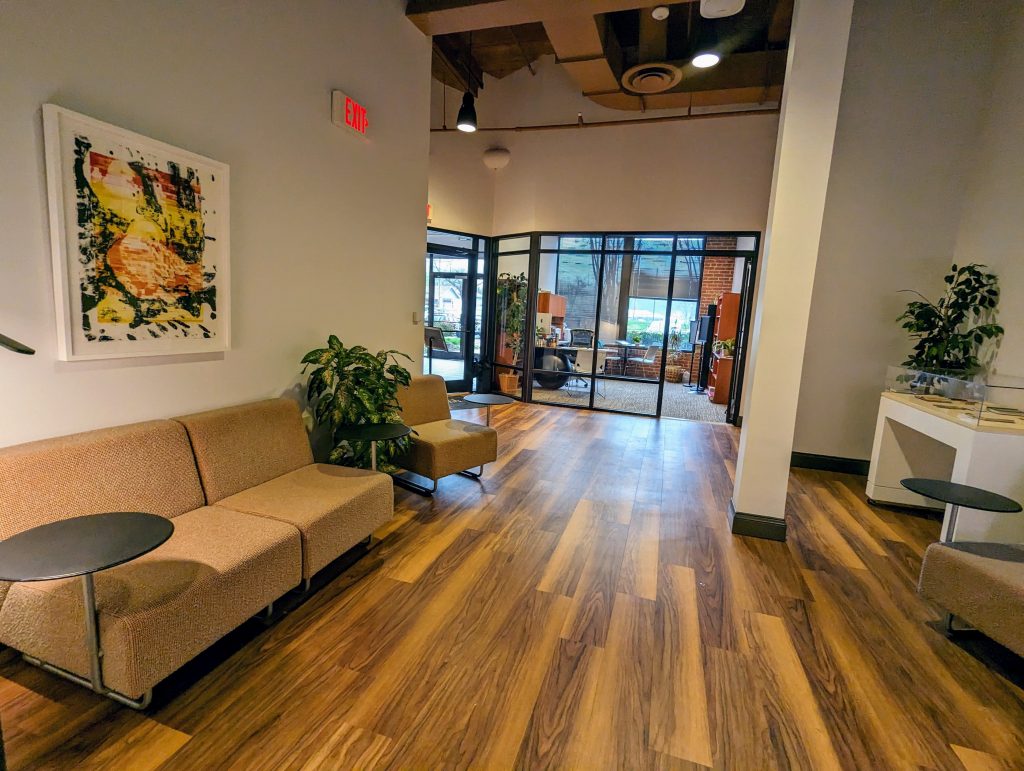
{"x": 950, "y": 331}
{"x": 511, "y": 305}
{"x": 725, "y": 347}
{"x": 353, "y": 386}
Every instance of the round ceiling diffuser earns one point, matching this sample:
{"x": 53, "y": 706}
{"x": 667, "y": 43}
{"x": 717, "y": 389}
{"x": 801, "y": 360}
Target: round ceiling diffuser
{"x": 652, "y": 78}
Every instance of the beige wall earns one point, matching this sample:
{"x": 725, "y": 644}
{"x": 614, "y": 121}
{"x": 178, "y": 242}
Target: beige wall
{"x": 992, "y": 228}
{"x": 712, "y": 174}
{"x": 327, "y": 230}
{"x": 915, "y": 90}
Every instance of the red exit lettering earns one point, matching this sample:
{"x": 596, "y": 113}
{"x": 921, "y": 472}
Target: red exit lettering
{"x": 355, "y": 115}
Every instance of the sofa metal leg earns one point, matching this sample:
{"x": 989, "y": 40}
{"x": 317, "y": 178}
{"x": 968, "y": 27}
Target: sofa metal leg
{"x": 266, "y": 616}
{"x": 140, "y": 703}
{"x": 473, "y": 474}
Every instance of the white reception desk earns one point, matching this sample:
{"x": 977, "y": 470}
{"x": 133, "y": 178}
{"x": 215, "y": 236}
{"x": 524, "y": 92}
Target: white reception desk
{"x": 914, "y": 438}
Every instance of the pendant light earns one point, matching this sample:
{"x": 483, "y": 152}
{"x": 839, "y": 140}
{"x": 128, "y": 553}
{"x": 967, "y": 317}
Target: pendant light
{"x": 467, "y": 114}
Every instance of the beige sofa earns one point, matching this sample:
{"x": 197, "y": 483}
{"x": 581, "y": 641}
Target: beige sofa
{"x": 981, "y": 583}
{"x": 253, "y": 518}
{"x": 440, "y": 445}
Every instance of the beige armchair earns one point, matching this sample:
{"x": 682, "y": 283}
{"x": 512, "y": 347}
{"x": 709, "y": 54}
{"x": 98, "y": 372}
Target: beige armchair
{"x": 441, "y": 445}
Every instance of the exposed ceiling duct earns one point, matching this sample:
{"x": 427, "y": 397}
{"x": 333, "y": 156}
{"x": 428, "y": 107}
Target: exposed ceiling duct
{"x": 624, "y": 56}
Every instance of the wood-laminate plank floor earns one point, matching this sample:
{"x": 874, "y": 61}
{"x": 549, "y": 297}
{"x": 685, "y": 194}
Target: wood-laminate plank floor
{"x": 585, "y": 606}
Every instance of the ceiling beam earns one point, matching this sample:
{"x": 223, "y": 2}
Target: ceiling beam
{"x": 442, "y": 17}
{"x": 462, "y": 67}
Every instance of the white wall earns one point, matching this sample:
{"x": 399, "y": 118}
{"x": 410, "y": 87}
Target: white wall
{"x": 915, "y": 90}
{"x": 327, "y": 231}
{"x": 711, "y": 174}
{"x": 992, "y": 228}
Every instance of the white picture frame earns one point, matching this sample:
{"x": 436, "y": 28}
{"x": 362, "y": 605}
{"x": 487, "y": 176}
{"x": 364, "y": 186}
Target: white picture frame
{"x": 140, "y": 242}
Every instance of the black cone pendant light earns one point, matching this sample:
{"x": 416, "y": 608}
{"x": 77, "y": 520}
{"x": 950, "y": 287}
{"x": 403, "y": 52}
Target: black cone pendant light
{"x": 467, "y": 114}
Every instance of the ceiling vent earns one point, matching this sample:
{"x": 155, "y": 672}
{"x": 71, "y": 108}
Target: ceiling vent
{"x": 651, "y": 78}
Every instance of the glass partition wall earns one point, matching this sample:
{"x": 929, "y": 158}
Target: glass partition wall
{"x": 594, "y": 320}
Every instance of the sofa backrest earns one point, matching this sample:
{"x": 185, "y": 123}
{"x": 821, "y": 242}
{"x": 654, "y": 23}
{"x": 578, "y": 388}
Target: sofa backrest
{"x": 424, "y": 400}
{"x": 247, "y": 445}
{"x": 139, "y": 467}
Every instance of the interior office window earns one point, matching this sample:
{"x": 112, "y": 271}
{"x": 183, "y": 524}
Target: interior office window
{"x": 646, "y": 318}
{"x": 577, "y": 283}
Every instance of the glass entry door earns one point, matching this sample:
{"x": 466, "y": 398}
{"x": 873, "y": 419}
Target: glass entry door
{"x": 452, "y": 308}
{"x": 447, "y": 306}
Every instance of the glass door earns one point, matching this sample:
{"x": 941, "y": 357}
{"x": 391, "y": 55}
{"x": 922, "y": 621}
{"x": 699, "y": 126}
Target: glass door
{"x": 453, "y": 310}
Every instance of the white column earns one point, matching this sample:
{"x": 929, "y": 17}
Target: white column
{"x": 803, "y": 156}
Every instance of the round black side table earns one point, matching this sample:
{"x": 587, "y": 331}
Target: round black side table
{"x": 960, "y": 495}
{"x": 372, "y": 433}
{"x": 81, "y": 546}
{"x": 488, "y": 401}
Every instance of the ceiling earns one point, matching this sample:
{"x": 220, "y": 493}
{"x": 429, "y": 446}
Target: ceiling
{"x": 609, "y": 46}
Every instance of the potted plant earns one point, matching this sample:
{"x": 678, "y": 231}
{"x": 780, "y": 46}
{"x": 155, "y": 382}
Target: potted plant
{"x": 352, "y": 386}
{"x": 511, "y": 307}
{"x": 725, "y": 348}
{"x": 950, "y": 332}
{"x": 636, "y": 338}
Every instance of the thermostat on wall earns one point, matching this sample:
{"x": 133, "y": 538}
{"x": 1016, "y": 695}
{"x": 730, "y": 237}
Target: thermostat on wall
{"x": 346, "y": 112}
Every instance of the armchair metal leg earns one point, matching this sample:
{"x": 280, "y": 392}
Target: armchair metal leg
{"x": 419, "y": 489}
{"x": 473, "y": 474}
{"x": 950, "y": 627}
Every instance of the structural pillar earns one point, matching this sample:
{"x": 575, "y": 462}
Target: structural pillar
{"x": 803, "y": 157}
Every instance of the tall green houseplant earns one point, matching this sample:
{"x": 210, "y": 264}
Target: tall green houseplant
{"x": 511, "y": 303}
{"x": 353, "y": 386}
{"x": 949, "y": 332}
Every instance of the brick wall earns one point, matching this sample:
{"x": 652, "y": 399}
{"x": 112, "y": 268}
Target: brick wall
{"x": 718, "y": 274}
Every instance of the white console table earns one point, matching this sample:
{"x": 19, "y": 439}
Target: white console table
{"x": 915, "y": 439}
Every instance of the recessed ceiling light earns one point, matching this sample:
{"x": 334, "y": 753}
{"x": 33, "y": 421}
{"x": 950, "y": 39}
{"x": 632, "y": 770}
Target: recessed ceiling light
{"x": 706, "y": 60}
{"x": 660, "y": 12}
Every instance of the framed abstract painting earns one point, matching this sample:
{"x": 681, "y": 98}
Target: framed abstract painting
{"x": 139, "y": 232}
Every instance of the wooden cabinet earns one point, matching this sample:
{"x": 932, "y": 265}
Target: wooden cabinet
{"x": 726, "y": 325}
{"x": 720, "y": 378}
{"x": 549, "y": 302}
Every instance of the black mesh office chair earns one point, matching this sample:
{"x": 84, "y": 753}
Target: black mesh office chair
{"x": 584, "y": 338}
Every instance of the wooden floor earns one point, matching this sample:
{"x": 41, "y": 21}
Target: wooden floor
{"x": 584, "y": 607}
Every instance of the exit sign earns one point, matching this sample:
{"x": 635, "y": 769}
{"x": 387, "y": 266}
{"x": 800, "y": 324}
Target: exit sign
{"x": 346, "y": 112}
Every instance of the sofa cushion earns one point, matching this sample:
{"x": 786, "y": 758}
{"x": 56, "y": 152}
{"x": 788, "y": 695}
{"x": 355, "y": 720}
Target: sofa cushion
{"x": 243, "y": 446}
{"x": 333, "y": 507}
{"x": 139, "y": 467}
{"x": 445, "y": 447}
{"x": 424, "y": 400}
{"x": 982, "y": 583}
{"x": 157, "y": 612}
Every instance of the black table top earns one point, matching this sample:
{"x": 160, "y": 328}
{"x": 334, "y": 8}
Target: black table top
{"x": 490, "y": 400}
{"x": 80, "y": 545}
{"x": 961, "y": 495}
{"x": 372, "y": 432}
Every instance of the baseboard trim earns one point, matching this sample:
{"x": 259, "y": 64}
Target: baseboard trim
{"x": 756, "y": 525}
{"x": 830, "y": 463}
